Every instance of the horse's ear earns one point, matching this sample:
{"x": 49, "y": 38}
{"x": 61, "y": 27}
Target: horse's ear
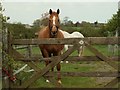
{"x": 50, "y": 11}
{"x": 58, "y": 11}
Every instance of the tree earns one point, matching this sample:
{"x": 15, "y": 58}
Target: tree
{"x": 85, "y": 24}
{"x": 113, "y": 23}
{"x": 36, "y": 23}
{"x": 43, "y": 21}
{"x": 118, "y": 21}
{"x": 65, "y": 20}
{"x": 1, "y": 17}
{"x": 77, "y": 24}
{"x": 70, "y": 23}
{"x": 96, "y": 23}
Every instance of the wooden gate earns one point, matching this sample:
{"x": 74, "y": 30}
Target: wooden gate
{"x": 88, "y": 42}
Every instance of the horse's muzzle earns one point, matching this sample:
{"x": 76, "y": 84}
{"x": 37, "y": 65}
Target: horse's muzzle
{"x": 54, "y": 33}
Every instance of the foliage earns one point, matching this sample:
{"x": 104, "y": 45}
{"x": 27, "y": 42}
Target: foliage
{"x": 7, "y": 61}
{"x": 19, "y": 30}
{"x": 86, "y": 30}
{"x": 36, "y": 23}
{"x": 113, "y": 23}
{"x": 91, "y": 32}
{"x": 11, "y": 62}
{"x": 65, "y": 20}
{"x": 43, "y": 21}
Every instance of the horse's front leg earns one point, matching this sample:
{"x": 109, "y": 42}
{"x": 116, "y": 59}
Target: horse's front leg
{"x": 46, "y": 55}
{"x": 80, "y": 50}
{"x": 50, "y": 62}
{"x": 58, "y": 67}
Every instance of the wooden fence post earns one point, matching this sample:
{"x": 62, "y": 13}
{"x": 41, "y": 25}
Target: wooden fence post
{"x": 0, "y": 47}
{"x": 4, "y": 56}
{"x": 9, "y": 51}
{"x": 29, "y": 50}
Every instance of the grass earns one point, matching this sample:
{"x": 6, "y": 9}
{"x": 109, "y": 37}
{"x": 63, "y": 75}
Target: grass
{"x": 73, "y": 82}
{"x": 78, "y": 82}
{"x": 0, "y": 83}
{"x": 40, "y": 83}
{"x": 76, "y": 67}
{"x": 36, "y": 50}
{"x": 69, "y": 82}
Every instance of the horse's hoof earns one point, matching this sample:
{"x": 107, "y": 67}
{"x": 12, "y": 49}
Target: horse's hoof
{"x": 67, "y": 62}
{"x": 47, "y": 81}
{"x": 61, "y": 62}
{"x": 59, "y": 81}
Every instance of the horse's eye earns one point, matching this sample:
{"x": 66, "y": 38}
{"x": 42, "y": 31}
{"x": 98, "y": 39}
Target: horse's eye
{"x": 49, "y": 20}
{"x": 57, "y": 27}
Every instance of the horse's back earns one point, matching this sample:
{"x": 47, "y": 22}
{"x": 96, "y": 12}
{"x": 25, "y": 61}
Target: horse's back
{"x": 72, "y": 35}
{"x": 77, "y": 34}
{"x": 66, "y": 34}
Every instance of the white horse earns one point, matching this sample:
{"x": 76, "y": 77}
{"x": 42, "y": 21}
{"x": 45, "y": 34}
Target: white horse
{"x": 73, "y": 35}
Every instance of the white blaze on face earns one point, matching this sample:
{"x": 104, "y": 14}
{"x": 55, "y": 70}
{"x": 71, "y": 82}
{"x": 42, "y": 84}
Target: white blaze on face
{"x": 54, "y": 20}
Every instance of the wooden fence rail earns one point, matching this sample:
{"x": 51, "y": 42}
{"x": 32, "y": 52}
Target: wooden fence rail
{"x": 90, "y": 40}
{"x": 70, "y": 58}
{"x": 85, "y": 74}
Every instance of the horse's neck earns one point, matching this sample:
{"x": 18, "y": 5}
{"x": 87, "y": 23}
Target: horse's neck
{"x": 66, "y": 34}
{"x": 45, "y": 32}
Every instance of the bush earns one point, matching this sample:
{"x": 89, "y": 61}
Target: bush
{"x": 20, "y": 31}
{"x": 87, "y": 31}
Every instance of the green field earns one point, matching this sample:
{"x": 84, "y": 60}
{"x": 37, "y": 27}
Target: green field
{"x": 74, "y": 82}
{"x": 0, "y": 83}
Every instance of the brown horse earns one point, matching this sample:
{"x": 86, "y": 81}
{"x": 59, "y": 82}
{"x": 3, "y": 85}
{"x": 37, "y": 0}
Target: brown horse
{"x": 52, "y": 31}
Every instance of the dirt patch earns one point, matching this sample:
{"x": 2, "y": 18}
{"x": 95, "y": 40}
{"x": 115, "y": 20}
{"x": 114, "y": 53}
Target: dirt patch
{"x": 100, "y": 66}
{"x": 103, "y": 67}
{"x": 102, "y": 81}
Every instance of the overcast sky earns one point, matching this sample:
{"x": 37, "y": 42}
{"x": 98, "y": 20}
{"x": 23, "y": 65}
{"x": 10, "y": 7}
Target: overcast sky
{"x": 27, "y": 12}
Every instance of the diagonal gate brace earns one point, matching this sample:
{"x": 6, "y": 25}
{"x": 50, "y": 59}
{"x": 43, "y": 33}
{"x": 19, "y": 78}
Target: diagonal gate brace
{"x": 40, "y": 73}
{"x": 100, "y": 55}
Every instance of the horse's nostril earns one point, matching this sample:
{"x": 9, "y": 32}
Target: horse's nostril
{"x": 54, "y": 32}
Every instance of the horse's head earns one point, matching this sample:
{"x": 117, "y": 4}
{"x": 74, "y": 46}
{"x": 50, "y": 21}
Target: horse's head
{"x": 54, "y": 22}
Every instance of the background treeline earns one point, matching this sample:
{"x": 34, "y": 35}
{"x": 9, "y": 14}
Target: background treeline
{"x": 20, "y": 30}
{"x": 88, "y": 29}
